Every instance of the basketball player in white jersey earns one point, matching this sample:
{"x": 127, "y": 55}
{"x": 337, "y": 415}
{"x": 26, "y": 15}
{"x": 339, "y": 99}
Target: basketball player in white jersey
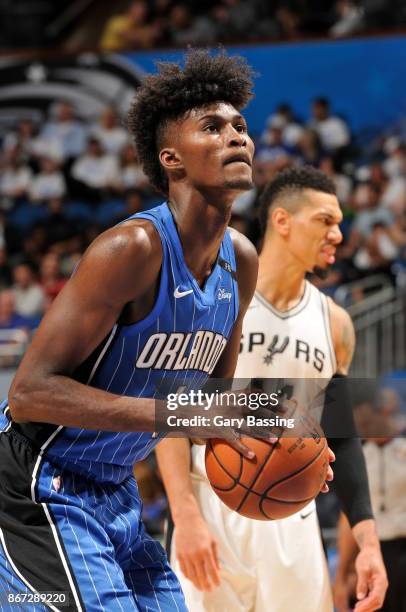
{"x": 226, "y": 561}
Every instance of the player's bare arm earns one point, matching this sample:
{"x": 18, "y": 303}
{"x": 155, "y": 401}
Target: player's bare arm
{"x": 119, "y": 270}
{"x": 342, "y": 329}
{"x": 371, "y": 573}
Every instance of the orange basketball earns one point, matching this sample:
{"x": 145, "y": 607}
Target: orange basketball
{"x": 278, "y": 482}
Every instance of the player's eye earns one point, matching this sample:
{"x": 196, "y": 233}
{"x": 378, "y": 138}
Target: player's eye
{"x": 241, "y": 128}
{"x": 211, "y": 128}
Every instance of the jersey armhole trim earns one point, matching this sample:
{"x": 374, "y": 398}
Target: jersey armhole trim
{"x": 139, "y": 326}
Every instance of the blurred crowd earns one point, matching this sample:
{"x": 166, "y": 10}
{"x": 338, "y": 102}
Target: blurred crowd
{"x": 168, "y": 22}
{"x": 63, "y": 182}
{"x": 371, "y": 188}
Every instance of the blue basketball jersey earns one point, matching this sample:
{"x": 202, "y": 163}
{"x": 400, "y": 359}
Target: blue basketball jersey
{"x": 177, "y": 345}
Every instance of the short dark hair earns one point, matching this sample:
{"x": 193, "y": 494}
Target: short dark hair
{"x": 172, "y": 92}
{"x": 291, "y": 180}
{"x": 322, "y": 101}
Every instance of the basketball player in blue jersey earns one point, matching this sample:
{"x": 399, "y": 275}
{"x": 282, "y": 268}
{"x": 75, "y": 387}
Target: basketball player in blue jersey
{"x": 291, "y": 331}
{"x": 155, "y": 304}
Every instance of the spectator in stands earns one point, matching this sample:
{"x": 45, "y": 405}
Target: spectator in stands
{"x": 310, "y": 150}
{"x": 10, "y": 322}
{"x": 23, "y": 138}
{"x": 9, "y": 235}
{"x": 65, "y": 132}
{"x": 130, "y": 172}
{"x": 9, "y": 317}
{"x": 134, "y": 203}
{"x": 14, "y": 179}
{"x": 385, "y": 455}
{"x": 109, "y": 133}
{"x": 5, "y": 270}
{"x": 130, "y": 30}
{"x": 33, "y": 245}
{"x": 185, "y": 29}
{"x": 367, "y": 198}
{"x": 288, "y": 20}
{"x": 333, "y": 131}
{"x": 94, "y": 172}
{"x": 29, "y": 296}
{"x": 272, "y": 147}
{"x": 48, "y": 183}
{"x": 51, "y": 278}
{"x": 378, "y": 250}
{"x": 350, "y": 19}
{"x": 342, "y": 182}
{"x": 235, "y": 20}
{"x": 58, "y": 227}
{"x": 394, "y": 164}
{"x": 284, "y": 119}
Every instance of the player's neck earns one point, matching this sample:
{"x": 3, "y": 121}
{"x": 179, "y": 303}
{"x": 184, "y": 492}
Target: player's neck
{"x": 280, "y": 280}
{"x": 201, "y": 229}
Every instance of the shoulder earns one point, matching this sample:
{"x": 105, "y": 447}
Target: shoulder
{"x": 245, "y": 252}
{"x": 123, "y": 257}
{"x": 136, "y": 237}
{"x": 343, "y": 334}
{"x": 247, "y": 265}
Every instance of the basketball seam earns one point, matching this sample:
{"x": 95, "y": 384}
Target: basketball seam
{"x": 235, "y": 480}
{"x": 272, "y": 447}
{"x": 264, "y": 495}
{"x": 303, "y": 467}
{"x": 266, "y": 498}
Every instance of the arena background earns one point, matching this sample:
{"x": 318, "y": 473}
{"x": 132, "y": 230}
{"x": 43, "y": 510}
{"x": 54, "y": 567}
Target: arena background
{"x": 49, "y": 212}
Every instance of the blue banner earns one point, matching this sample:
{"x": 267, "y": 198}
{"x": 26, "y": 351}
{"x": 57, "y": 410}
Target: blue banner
{"x": 365, "y": 79}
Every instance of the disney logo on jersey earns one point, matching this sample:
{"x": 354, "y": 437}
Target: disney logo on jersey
{"x": 224, "y": 295}
{"x": 182, "y": 351}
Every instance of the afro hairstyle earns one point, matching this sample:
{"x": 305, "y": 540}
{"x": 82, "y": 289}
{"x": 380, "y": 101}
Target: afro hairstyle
{"x": 173, "y": 91}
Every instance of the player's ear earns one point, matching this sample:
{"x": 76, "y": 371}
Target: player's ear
{"x": 281, "y": 221}
{"x": 170, "y": 160}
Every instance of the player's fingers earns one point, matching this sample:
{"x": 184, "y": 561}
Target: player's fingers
{"x": 215, "y": 554}
{"x": 199, "y": 567}
{"x": 369, "y": 604}
{"x": 193, "y": 575}
{"x": 241, "y": 448}
{"x": 187, "y": 570}
{"x": 375, "y": 598}
{"x": 211, "y": 570}
{"x": 362, "y": 584}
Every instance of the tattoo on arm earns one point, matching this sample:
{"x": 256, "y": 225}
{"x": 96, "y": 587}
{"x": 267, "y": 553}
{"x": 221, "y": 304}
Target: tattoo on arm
{"x": 348, "y": 344}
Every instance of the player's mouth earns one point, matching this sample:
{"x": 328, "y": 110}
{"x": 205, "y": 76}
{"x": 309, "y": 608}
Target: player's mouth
{"x": 243, "y": 158}
{"x": 328, "y": 254}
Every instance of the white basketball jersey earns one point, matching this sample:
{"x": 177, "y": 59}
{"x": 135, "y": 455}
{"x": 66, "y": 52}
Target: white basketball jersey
{"x": 295, "y": 343}
{"x": 290, "y": 348}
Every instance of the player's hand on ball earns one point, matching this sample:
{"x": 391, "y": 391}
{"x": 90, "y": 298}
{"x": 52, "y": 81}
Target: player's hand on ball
{"x": 330, "y": 474}
{"x": 372, "y": 580}
{"x": 196, "y": 550}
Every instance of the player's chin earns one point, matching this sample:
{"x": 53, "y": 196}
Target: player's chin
{"x": 239, "y": 183}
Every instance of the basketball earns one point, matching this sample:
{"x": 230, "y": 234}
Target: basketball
{"x": 280, "y": 480}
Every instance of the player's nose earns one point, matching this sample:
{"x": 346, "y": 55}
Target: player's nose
{"x": 236, "y": 138}
{"x": 335, "y": 236}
